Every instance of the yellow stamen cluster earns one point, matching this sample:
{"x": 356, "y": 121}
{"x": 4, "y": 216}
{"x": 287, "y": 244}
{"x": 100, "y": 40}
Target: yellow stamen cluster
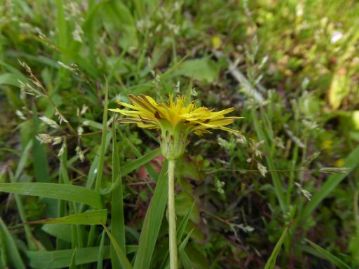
{"x": 176, "y": 120}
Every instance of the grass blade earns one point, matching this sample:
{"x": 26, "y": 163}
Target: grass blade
{"x": 40, "y": 163}
{"x": 73, "y": 260}
{"x": 94, "y": 165}
{"x": 120, "y": 254}
{"x": 91, "y": 217}
{"x": 55, "y": 191}
{"x": 22, "y": 163}
{"x": 9, "y": 79}
{"x": 120, "y": 17}
{"x": 23, "y": 160}
{"x": 133, "y": 165}
{"x": 61, "y": 24}
{"x": 181, "y": 229}
{"x": 60, "y": 231}
{"x": 101, "y": 252}
{"x": 265, "y": 136}
{"x": 351, "y": 162}
{"x": 320, "y": 252}
{"x": 98, "y": 183}
{"x": 152, "y": 223}
{"x": 63, "y": 258}
{"x": 117, "y": 214}
{"x": 10, "y": 247}
{"x": 270, "y": 264}
{"x": 186, "y": 261}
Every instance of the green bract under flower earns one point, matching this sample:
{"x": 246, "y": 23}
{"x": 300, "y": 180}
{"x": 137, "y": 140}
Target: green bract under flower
{"x": 175, "y": 119}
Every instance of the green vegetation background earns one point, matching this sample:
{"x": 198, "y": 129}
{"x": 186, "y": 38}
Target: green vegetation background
{"x": 285, "y": 194}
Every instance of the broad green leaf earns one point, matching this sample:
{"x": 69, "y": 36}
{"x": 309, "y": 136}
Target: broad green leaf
{"x": 118, "y": 17}
{"x": 61, "y": 231}
{"x": 351, "y": 162}
{"x": 63, "y": 258}
{"x": 10, "y": 79}
{"x": 270, "y": 264}
{"x": 10, "y": 248}
{"x": 91, "y": 217}
{"x": 152, "y": 222}
{"x": 55, "y": 191}
{"x": 320, "y": 252}
{"x": 199, "y": 69}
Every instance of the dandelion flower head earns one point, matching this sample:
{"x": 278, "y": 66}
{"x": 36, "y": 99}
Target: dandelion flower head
{"x": 175, "y": 119}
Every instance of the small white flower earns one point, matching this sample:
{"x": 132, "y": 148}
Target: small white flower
{"x": 80, "y": 130}
{"x": 50, "y": 122}
{"x": 65, "y": 66}
{"x": 262, "y": 169}
{"x": 336, "y": 36}
{"x": 56, "y": 140}
{"x": 80, "y": 153}
{"x": 44, "y": 138}
{"x": 20, "y": 114}
{"x": 304, "y": 192}
{"x": 62, "y": 149}
{"x": 84, "y": 109}
{"x": 77, "y": 33}
{"x": 245, "y": 228}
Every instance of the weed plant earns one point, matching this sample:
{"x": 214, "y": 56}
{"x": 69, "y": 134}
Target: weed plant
{"x": 80, "y": 190}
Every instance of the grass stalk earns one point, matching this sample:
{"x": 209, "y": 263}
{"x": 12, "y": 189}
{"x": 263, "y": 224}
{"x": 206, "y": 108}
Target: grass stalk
{"x": 98, "y": 183}
{"x": 117, "y": 213}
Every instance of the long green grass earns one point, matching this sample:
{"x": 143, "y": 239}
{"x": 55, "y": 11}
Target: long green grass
{"x": 79, "y": 189}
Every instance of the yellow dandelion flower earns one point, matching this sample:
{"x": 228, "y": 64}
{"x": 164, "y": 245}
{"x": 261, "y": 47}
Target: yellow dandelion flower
{"x": 340, "y": 163}
{"x": 216, "y": 42}
{"x": 327, "y": 145}
{"x": 175, "y": 119}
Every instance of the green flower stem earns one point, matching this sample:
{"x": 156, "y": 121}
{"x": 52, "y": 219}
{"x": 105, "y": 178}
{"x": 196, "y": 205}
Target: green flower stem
{"x": 172, "y": 215}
